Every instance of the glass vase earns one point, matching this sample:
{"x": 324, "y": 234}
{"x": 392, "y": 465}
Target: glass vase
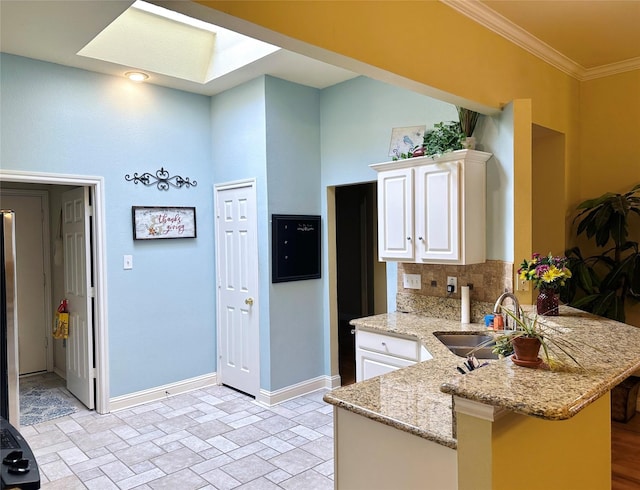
{"x": 547, "y": 303}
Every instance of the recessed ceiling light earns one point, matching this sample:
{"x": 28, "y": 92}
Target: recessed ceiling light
{"x": 136, "y": 76}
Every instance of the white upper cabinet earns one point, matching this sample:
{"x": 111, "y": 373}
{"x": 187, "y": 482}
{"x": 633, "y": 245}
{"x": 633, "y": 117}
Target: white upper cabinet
{"x": 433, "y": 210}
{"x": 395, "y": 214}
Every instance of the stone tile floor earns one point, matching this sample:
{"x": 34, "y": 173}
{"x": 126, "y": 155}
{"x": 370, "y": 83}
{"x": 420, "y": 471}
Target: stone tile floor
{"x": 212, "y": 438}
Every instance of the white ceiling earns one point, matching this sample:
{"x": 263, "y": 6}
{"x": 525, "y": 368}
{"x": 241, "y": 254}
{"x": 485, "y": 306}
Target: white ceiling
{"x": 583, "y": 38}
{"x": 56, "y": 31}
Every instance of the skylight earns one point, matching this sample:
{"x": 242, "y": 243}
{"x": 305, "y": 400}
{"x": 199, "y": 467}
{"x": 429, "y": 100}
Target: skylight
{"x": 162, "y": 41}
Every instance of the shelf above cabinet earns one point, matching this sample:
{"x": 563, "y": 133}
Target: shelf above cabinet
{"x": 473, "y": 156}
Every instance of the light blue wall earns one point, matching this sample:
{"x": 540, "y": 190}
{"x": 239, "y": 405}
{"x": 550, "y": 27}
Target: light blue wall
{"x": 238, "y": 135}
{"x": 295, "y": 141}
{"x": 269, "y": 129}
{"x": 496, "y": 135}
{"x": 69, "y": 121}
{"x": 293, "y": 169}
{"x": 357, "y": 117}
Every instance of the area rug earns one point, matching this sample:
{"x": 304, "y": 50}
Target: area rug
{"x": 38, "y": 404}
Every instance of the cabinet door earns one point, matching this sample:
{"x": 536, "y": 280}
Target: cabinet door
{"x": 438, "y": 212}
{"x": 371, "y": 364}
{"x": 395, "y": 214}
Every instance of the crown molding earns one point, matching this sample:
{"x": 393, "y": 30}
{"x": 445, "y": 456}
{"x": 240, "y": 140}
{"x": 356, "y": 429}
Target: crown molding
{"x": 499, "y": 24}
{"x": 611, "y": 69}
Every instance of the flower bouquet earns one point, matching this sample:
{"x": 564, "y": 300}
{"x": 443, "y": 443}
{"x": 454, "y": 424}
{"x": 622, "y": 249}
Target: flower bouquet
{"x": 548, "y": 273}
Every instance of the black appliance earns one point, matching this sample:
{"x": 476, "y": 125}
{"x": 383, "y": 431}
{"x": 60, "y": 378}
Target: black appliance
{"x": 19, "y": 468}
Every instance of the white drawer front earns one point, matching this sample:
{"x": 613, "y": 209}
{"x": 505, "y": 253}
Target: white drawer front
{"x": 371, "y": 365}
{"x": 387, "y": 344}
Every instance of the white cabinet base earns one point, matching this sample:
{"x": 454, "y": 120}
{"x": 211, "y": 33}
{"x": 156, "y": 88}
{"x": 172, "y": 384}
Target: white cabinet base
{"x": 378, "y": 354}
{"x": 370, "y": 456}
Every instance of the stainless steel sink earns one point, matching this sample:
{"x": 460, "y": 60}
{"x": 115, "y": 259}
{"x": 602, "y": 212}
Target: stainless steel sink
{"x": 463, "y": 344}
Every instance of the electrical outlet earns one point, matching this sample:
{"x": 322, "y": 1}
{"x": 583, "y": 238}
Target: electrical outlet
{"x": 412, "y": 281}
{"x": 452, "y": 281}
{"x": 521, "y": 284}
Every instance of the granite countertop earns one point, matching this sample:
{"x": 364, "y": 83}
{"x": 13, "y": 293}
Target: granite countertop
{"x": 417, "y": 399}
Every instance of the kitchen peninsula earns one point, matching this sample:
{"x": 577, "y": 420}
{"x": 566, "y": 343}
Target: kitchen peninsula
{"x": 428, "y": 426}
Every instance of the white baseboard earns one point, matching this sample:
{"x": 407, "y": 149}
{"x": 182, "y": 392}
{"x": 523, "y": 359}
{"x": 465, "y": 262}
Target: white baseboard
{"x": 59, "y": 372}
{"x": 132, "y": 399}
{"x": 271, "y": 398}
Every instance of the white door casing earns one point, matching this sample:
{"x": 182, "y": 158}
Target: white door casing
{"x": 34, "y": 282}
{"x": 99, "y": 245}
{"x": 237, "y": 286}
{"x": 78, "y": 292}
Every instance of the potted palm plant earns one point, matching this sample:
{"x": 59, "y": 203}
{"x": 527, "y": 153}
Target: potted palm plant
{"x": 603, "y": 282}
{"x": 530, "y": 333}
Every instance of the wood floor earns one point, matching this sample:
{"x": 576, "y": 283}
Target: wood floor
{"x": 625, "y": 454}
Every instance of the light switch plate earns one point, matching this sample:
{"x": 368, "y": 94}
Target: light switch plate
{"x": 412, "y": 281}
{"x": 128, "y": 262}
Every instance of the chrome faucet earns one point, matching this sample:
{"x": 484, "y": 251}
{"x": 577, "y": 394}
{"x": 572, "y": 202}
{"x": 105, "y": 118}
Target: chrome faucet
{"x": 516, "y": 307}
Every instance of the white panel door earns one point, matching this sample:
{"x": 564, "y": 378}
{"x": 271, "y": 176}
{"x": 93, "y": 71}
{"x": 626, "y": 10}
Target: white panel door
{"x": 395, "y": 214}
{"x": 33, "y": 317}
{"x": 77, "y": 286}
{"x": 237, "y": 263}
{"x": 438, "y": 211}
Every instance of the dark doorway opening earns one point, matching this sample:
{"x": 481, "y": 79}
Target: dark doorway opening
{"x": 359, "y": 274}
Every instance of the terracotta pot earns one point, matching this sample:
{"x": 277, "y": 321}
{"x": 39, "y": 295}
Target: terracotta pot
{"x": 526, "y": 348}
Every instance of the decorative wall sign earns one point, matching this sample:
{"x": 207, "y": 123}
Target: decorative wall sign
{"x": 295, "y": 248}
{"x": 153, "y": 222}
{"x": 161, "y": 180}
{"x": 405, "y": 139}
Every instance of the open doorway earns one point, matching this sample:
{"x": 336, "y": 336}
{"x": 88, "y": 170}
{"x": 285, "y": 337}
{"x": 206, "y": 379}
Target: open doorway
{"x": 57, "y": 363}
{"x": 53, "y": 381}
{"x": 361, "y": 279}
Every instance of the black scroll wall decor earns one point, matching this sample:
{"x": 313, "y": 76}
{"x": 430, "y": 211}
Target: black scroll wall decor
{"x": 161, "y": 180}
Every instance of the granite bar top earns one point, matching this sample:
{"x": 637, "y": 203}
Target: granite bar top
{"x": 418, "y": 398}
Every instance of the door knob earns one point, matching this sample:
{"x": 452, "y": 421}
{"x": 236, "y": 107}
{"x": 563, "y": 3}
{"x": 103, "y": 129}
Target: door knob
{"x": 248, "y": 301}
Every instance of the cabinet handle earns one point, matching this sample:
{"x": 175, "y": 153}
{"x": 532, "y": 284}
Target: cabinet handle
{"x": 384, "y": 343}
{"x": 353, "y": 331}
{"x": 409, "y": 238}
{"x": 421, "y": 239}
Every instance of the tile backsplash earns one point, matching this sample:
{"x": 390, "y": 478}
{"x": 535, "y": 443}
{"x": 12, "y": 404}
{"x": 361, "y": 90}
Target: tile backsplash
{"x": 489, "y": 280}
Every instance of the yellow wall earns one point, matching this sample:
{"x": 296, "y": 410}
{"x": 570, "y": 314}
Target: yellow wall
{"x": 610, "y": 136}
{"x": 425, "y": 41}
{"x": 548, "y": 173}
{"x": 432, "y": 44}
{"x": 568, "y": 454}
{"x": 517, "y": 451}
{"x": 609, "y": 148}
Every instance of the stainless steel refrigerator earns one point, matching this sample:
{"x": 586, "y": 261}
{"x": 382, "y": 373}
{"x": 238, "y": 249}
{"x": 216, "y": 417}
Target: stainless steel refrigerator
{"x": 9, "y": 392}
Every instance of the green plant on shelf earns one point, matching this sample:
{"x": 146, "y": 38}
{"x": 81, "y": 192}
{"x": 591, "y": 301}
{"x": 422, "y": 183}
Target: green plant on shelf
{"x": 445, "y": 136}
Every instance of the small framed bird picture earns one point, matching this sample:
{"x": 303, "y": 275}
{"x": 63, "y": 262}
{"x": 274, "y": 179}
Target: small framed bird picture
{"x": 404, "y": 140}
